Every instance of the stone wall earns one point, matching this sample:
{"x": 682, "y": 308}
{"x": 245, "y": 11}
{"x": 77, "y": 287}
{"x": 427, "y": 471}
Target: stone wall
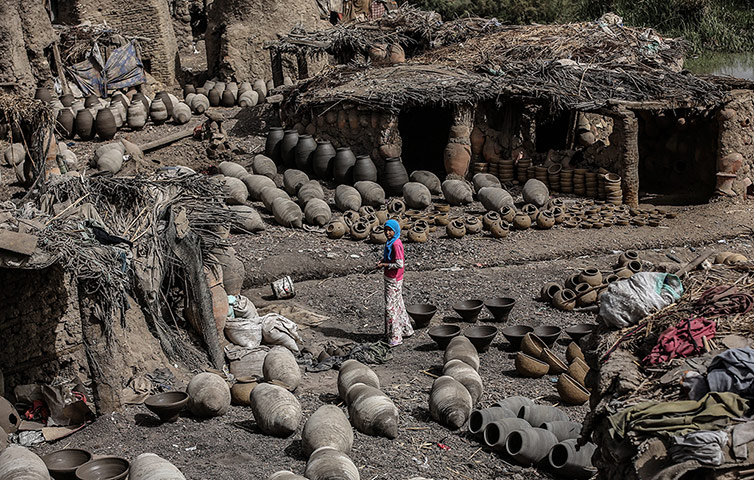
{"x": 736, "y": 142}
{"x": 40, "y": 327}
{"x": 238, "y": 29}
{"x": 150, "y": 19}
{"x": 25, "y": 33}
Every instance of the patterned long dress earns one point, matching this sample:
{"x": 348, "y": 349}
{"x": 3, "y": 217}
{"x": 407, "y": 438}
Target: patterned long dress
{"x": 397, "y": 323}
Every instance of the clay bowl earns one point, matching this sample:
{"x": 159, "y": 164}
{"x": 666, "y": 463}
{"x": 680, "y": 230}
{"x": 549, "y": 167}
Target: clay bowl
{"x": 469, "y": 309}
{"x": 500, "y": 307}
{"x": 167, "y": 405}
{"x": 105, "y": 468}
{"x": 570, "y": 391}
{"x": 442, "y": 334}
{"x": 481, "y": 336}
{"x": 548, "y": 333}
{"x": 577, "y": 332}
{"x": 514, "y": 334}
{"x": 62, "y": 464}
{"x": 530, "y": 367}
{"x": 421, "y": 313}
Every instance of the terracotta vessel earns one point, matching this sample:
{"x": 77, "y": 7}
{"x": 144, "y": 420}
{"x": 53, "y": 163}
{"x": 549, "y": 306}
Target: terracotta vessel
{"x": 304, "y": 154}
{"x": 288, "y": 148}
{"x": 394, "y": 176}
{"x": 364, "y": 169}
{"x": 342, "y": 166}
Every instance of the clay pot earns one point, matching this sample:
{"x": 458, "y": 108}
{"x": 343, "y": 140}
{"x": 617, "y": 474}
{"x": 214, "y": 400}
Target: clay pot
{"x": 84, "y": 125}
{"x": 456, "y": 228}
{"x": 215, "y": 97}
{"x": 336, "y": 229}
{"x": 342, "y": 166}
{"x": 327, "y": 463}
{"x": 288, "y": 148}
{"x": 469, "y": 309}
{"x": 515, "y": 335}
{"x": 62, "y": 464}
{"x": 209, "y": 395}
{"x": 636, "y": 267}
{"x": 537, "y": 415}
{"x": 563, "y": 429}
{"x": 564, "y": 300}
{"x": 287, "y": 213}
{"x": 20, "y": 463}
{"x": 571, "y": 391}
{"x": 428, "y": 179}
{"x": 396, "y": 206}
{"x": 280, "y": 368}
{"x": 181, "y": 113}
{"x": 533, "y": 345}
{"x": 91, "y": 101}
{"x": 495, "y": 199}
{"x": 105, "y": 124}
{"x": 276, "y": 411}
{"x": 377, "y": 235}
{"x": 456, "y": 158}
{"x": 500, "y": 307}
{"x": 304, "y": 153}
{"x": 227, "y": 99}
{"x": 327, "y": 427}
{"x": 531, "y": 210}
{"x": 480, "y": 418}
{"x": 473, "y": 224}
{"x": 535, "y": 192}
{"x": 529, "y": 446}
{"x": 167, "y": 405}
{"x": 456, "y": 192}
{"x": 417, "y": 195}
{"x": 549, "y": 290}
{"x": 272, "y": 144}
{"x": 573, "y": 351}
{"x": 371, "y": 193}
{"x": 569, "y": 460}
{"x": 547, "y": 333}
{"x": 545, "y": 220}
{"x": 508, "y": 214}
{"x": 110, "y": 468}
{"x": 467, "y": 376}
{"x": 556, "y": 364}
{"x": 364, "y": 169}
{"x": 65, "y": 123}
{"x": 149, "y": 466}
{"x": 449, "y": 402}
{"x": 590, "y": 276}
{"x": 497, "y": 431}
{"x": 136, "y": 116}
{"x": 585, "y": 295}
{"x": 417, "y": 234}
{"x": 322, "y": 160}
{"x": 294, "y": 179}
{"x": 500, "y": 229}
{"x": 394, "y": 176}
{"x": 158, "y": 111}
{"x": 67, "y": 100}
{"x": 168, "y": 101}
{"x": 371, "y": 411}
{"x": 521, "y": 221}
{"x": 514, "y": 403}
{"x": 353, "y": 372}
{"x": 286, "y": 475}
{"x": 530, "y": 367}
{"x": 263, "y": 165}
{"x": 43, "y": 94}
{"x": 578, "y": 370}
{"x": 443, "y": 334}
{"x": 628, "y": 256}
{"x": 461, "y": 348}
{"x": 240, "y": 392}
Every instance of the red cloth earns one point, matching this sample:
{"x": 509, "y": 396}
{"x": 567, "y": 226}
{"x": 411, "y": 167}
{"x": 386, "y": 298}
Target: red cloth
{"x": 683, "y": 340}
{"x": 376, "y": 10}
{"x": 396, "y": 274}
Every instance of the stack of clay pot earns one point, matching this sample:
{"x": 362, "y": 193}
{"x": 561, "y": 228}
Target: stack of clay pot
{"x": 506, "y": 171}
{"x": 371, "y": 411}
{"x": 613, "y": 189}
{"x": 522, "y": 168}
{"x": 455, "y": 393}
{"x": 571, "y": 384}
{"x": 553, "y": 177}
{"x": 534, "y": 435}
{"x": 590, "y": 184}
{"x": 566, "y": 180}
{"x": 579, "y": 181}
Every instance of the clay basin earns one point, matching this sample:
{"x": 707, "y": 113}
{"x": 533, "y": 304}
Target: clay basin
{"x": 500, "y": 307}
{"x": 515, "y": 334}
{"x": 548, "y": 333}
{"x": 105, "y": 468}
{"x": 62, "y": 464}
{"x": 469, "y": 309}
{"x": 421, "y": 313}
{"x": 167, "y": 405}
{"x": 442, "y": 334}
{"x": 481, "y": 336}
{"x": 577, "y": 332}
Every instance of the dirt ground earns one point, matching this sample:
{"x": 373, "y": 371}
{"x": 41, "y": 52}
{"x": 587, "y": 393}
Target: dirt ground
{"x": 335, "y": 278}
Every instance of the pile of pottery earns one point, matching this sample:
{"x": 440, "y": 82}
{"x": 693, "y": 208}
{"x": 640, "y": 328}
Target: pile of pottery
{"x": 586, "y": 287}
{"x": 215, "y": 93}
{"x": 534, "y": 435}
{"x": 73, "y": 463}
{"x": 536, "y": 359}
{"x": 92, "y": 116}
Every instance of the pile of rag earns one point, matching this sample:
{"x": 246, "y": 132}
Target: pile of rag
{"x": 683, "y": 340}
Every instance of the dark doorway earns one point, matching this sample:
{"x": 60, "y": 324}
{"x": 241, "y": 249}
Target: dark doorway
{"x": 552, "y": 131}
{"x": 424, "y": 132}
{"x": 677, "y": 157}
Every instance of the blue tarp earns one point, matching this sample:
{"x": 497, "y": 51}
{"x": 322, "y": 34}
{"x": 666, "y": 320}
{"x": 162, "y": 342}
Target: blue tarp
{"x": 122, "y": 69}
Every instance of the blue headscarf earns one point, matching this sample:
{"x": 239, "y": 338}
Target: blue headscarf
{"x": 395, "y": 227}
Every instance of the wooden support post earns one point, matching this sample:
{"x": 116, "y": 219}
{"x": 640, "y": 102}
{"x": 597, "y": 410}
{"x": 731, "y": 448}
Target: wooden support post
{"x": 276, "y": 60}
{"x": 628, "y": 129}
{"x": 303, "y": 66}
{"x": 59, "y": 68}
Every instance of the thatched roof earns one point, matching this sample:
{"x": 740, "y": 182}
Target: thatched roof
{"x": 585, "y": 66}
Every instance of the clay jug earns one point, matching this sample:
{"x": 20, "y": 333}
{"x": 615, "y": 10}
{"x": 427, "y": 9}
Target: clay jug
{"x": 364, "y": 169}
{"x": 84, "y": 124}
{"x": 188, "y": 88}
{"x": 91, "y": 101}
{"x": 43, "y": 94}
{"x": 136, "y": 116}
{"x": 288, "y": 148}
{"x": 272, "y": 144}
{"x": 214, "y": 96}
{"x": 342, "y": 167}
{"x": 158, "y": 111}
{"x": 143, "y": 99}
{"x": 65, "y": 123}
{"x": 394, "y": 176}
{"x": 322, "y": 162}
{"x": 304, "y": 154}
{"x": 227, "y": 99}
{"x": 67, "y": 100}
{"x": 165, "y": 97}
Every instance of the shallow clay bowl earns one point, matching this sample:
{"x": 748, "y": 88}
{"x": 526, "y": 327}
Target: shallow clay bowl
{"x": 105, "y": 468}
{"x": 167, "y": 405}
{"x": 548, "y": 333}
{"x": 62, "y": 464}
{"x": 500, "y": 307}
{"x": 442, "y": 334}
{"x": 421, "y": 313}
{"x": 469, "y": 309}
{"x": 577, "y": 332}
{"x": 481, "y": 336}
{"x": 514, "y": 334}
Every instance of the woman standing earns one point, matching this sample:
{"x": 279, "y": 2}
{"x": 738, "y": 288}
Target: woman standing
{"x": 397, "y": 323}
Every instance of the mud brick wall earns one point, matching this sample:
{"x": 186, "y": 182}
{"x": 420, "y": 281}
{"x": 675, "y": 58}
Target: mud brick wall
{"x": 40, "y": 327}
{"x": 150, "y": 19}
{"x": 737, "y": 136}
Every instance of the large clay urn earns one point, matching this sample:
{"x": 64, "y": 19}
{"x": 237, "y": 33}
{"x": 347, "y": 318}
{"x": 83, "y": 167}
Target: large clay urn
{"x": 66, "y": 123}
{"x": 288, "y": 148}
{"x": 105, "y": 124}
{"x": 214, "y": 96}
{"x": 394, "y": 176}
{"x": 457, "y": 157}
{"x": 342, "y": 167}
{"x": 84, "y": 124}
{"x": 364, "y": 169}
{"x": 272, "y": 144}
{"x": 304, "y": 154}
{"x": 322, "y": 162}
{"x": 165, "y": 97}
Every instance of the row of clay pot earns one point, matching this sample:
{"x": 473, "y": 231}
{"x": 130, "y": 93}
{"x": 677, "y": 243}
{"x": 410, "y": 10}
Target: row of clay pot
{"x": 230, "y": 94}
{"x": 534, "y": 435}
{"x": 586, "y": 287}
{"x": 460, "y": 387}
